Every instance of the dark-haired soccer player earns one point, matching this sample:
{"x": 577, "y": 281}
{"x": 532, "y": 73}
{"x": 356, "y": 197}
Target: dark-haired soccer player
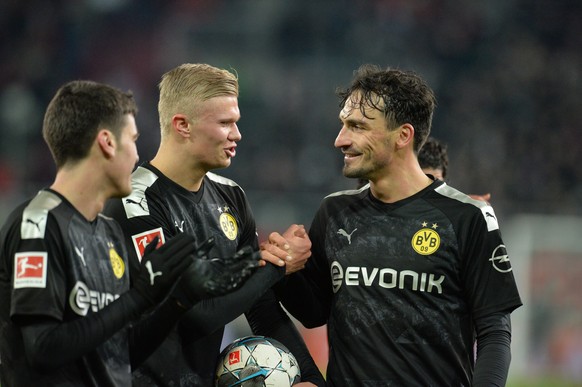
{"x": 407, "y": 271}
{"x": 433, "y": 158}
{"x": 177, "y": 192}
{"x": 65, "y": 302}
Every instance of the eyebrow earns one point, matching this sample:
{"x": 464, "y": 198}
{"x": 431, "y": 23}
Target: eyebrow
{"x": 353, "y": 121}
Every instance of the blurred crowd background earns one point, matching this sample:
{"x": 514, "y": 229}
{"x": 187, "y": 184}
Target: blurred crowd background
{"x": 507, "y": 75}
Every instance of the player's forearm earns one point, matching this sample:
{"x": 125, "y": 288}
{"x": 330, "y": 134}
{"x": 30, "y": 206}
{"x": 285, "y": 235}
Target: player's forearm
{"x": 267, "y": 318}
{"x": 209, "y": 315}
{"x": 71, "y": 340}
{"x": 493, "y": 351}
{"x": 150, "y": 332}
{"x": 297, "y": 295}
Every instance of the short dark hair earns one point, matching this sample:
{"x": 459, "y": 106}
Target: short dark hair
{"x": 403, "y": 97}
{"x": 76, "y": 113}
{"x": 434, "y": 155}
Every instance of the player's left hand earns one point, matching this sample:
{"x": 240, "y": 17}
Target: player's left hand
{"x": 210, "y": 277}
{"x": 291, "y": 249}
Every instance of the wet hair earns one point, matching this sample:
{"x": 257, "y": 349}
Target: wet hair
{"x": 402, "y": 96}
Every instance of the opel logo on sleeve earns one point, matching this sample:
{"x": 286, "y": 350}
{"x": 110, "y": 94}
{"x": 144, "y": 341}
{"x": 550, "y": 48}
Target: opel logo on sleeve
{"x": 500, "y": 260}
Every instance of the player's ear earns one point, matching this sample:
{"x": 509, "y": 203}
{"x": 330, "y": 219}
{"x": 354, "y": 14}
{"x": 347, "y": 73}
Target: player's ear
{"x": 405, "y": 135}
{"x": 106, "y": 142}
{"x": 181, "y": 125}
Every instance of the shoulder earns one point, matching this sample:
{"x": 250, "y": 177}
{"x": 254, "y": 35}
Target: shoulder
{"x": 35, "y": 214}
{"x": 341, "y": 201}
{"x": 346, "y": 196}
{"x": 143, "y": 178}
{"x": 217, "y": 179}
{"x": 350, "y": 193}
{"x": 136, "y": 203}
{"x": 223, "y": 184}
{"x": 463, "y": 203}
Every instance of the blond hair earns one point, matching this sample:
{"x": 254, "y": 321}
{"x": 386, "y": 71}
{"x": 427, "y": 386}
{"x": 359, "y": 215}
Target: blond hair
{"x": 182, "y": 87}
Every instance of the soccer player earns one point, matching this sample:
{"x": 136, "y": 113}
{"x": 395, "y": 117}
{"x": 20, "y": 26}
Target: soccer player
{"x": 176, "y": 192}
{"x": 407, "y": 271}
{"x": 65, "y": 302}
{"x": 434, "y": 160}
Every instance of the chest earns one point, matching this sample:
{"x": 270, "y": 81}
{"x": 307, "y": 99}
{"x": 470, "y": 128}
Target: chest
{"x": 215, "y": 215}
{"x": 379, "y": 250}
{"x": 94, "y": 266}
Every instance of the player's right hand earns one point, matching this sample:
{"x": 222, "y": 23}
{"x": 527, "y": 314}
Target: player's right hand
{"x": 161, "y": 268}
{"x": 210, "y": 277}
{"x": 291, "y": 249}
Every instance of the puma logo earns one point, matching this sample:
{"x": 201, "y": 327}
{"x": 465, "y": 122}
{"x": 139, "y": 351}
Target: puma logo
{"x": 140, "y": 203}
{"x": 79, "y": 252}
{"x": 153, "y": 275}
{"x": 28, "y": 220}
{"x": 343, "y": 232}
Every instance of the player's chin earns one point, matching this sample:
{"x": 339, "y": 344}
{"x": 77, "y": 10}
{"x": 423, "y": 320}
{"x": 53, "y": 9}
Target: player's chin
{"x": 224, "y": 163}
{"x": 122, "y": 191}
{"x": 352, "y": 172}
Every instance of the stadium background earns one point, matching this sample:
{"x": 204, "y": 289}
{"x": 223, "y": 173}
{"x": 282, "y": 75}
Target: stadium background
{"x": 507, "y": 74}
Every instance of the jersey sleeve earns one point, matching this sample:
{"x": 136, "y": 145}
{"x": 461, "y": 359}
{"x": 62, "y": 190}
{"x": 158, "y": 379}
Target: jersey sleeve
{"x": 212, "y": 314}
{"x": 37, "y": 269}
{"x": 307, "y": 293}
{"x": 487, "y": 272}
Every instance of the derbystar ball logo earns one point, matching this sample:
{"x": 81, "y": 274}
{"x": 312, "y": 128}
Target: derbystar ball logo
{"x": 141, "y": 240}
{"x": 30, "y": 269}
{"x": 234, "y": 357}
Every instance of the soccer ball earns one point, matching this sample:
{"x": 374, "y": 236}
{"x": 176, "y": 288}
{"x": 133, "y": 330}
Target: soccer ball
{"x": 256, "y": 361}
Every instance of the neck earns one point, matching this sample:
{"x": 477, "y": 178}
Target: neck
{"x": 399, "y": 184}
{"x": 178, "y": 168}
{"x": 83, "y": 190}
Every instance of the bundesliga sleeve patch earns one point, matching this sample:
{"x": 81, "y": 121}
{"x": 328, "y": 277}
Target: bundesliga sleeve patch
{"x": 141, "y": 240}
{"x": 30, "y": 269}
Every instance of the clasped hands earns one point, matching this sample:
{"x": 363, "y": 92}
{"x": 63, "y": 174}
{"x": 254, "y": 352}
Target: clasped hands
{"x": 291, "y": 249}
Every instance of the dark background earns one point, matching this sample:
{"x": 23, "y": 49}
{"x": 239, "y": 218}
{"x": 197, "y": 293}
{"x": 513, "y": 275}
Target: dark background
{"x": 507, "y": 75}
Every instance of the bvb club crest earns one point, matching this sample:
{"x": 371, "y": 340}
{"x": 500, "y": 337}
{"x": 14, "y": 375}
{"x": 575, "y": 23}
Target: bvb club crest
{"x": 116, "y": 262}
{"x": 426, "y": 240}
{"x": 228, "y": 223}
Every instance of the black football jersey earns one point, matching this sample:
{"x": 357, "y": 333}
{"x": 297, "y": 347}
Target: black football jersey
{"x": 56, "y": 264}
{"x": 159, "y": 207}
{"x": 403, "y": 283}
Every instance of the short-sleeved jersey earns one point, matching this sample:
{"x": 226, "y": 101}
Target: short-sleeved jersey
{"x": 158, "y": 206}
{"x": 55, "y": 264}
{"x": 405, "y": 282}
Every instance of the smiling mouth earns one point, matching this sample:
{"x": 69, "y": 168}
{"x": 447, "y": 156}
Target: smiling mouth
{"x": 349, "y": 156}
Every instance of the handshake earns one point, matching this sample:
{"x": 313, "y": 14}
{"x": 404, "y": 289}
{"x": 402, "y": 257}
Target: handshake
{"x": 185, "y": 271}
